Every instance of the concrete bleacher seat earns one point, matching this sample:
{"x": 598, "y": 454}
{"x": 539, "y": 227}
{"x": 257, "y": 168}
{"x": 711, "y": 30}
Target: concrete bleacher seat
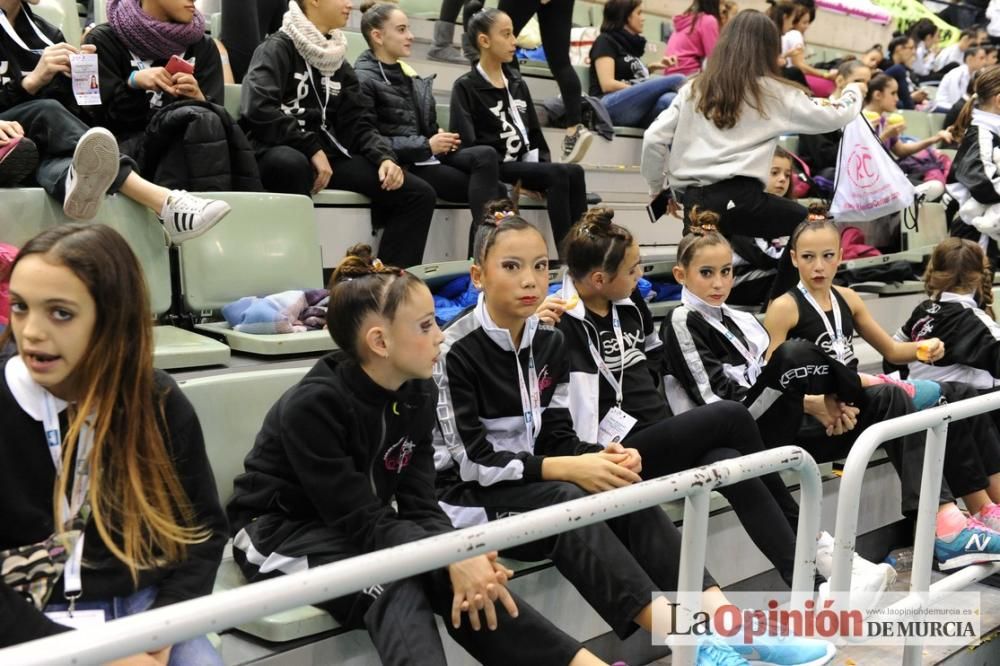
{"x": 34, "y": 210}
{"x": 268, "y": 245}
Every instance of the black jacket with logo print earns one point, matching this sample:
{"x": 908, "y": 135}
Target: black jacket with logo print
{"x": 16, "y": 63}
{"x": 480, "y": 115}
{"x": 281, "y": 107}
{"x": 338, "y": 449}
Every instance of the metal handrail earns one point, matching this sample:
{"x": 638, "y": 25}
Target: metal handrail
{"x": 168, "y": 625}
{"x": 935, "y": 421}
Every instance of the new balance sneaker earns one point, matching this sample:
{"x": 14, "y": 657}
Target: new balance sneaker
{"x": 868, "y": 580}
{"x": 787, "y": 651}
{"x": 18, "y": 160}
{"x": 713, "y": 652}
{"x": 990, "y": 516}
{"x": 93, "y": 170}
{"x": 575, "y": 145}
{"x": 186, "y": 216}
{"x": 975, "y": 544}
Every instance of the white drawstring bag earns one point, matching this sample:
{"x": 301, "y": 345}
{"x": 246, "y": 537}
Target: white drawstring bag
{"x": 869, "y": 183}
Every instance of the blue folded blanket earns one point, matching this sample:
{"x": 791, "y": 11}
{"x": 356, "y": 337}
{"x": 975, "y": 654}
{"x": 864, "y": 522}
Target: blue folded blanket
{"x": 292, "y": 311}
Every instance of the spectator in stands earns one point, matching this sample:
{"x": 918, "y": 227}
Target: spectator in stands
{"x": 312, "y": 493}
{"x": 618, "y": 76}
{"x": 492, "y": 106}
{"x": 951, "y": 117}
{"x": 817, "y": 311}
{"x": 695, "y": 33}
{"x": 955, "y": 82}
{"x": 819, "y": 151}
{"x": 141, "y": 497}
{"x": 793, "y": 19}
{"x": 443, "y": 47}
{"x": 927, "y": 39}
{"x": 873, "y": 58}
{"x": 245, "y": 25}
{"x": 972, "y": 183}
{"x": 952, "y": 55}
{"x": 76, "y": 166}
{"x": 615, "y": 359}
{"x": 992, "y": 55}
{"x": 406, "y": 111}
{"x": 170, "y": 121}
{"x": 312, "y": 127}
{"x": 555, "y": 21}
{"x": 901, "y": 53}
{"x": 918, "y": 159}
{"x": 738, "y": 108}
{"x": 507, "y": 444}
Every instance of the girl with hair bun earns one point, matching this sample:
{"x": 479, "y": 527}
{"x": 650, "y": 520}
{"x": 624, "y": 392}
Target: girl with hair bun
{"x": 343, "y": 466}
{"x": 101, "y": 454}
{"x": 517, "y": 431}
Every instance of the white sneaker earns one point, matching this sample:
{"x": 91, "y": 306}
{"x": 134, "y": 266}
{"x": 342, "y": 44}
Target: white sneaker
{"x": 94, "y": 168}
{"x": 868, "y": 580}
{"x": 186, "y": 216}
{"x": 931, "y": 190}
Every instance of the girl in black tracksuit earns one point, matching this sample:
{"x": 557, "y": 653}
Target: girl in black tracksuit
{"x": 312, "y": 129}
{"x": 343, "y": 466}
{"x": 507, "y": 442}
{"x": 492, "y": 106}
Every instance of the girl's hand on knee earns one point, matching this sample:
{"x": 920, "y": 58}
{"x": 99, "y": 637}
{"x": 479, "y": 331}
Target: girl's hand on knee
{"x": 321, "y": 165}
{"x": 9, "y": 130}
{"x": 632, "y": 460}
{"x": 390, "y": 175}
{"x": 475, "y": 588}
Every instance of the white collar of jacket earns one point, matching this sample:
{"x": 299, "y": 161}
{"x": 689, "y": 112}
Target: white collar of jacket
{"x": 990, "y": 121}
{"x": 754, "y": 333}
{"x": 968, "y": 300}
{"x": 579, "y": 311}
{"x": 501, "y": 336}
{"x": 29, "y": 394}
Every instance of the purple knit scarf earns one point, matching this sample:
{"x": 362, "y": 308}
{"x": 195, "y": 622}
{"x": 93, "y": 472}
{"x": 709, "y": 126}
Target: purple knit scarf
{"x": 149, "y": 38}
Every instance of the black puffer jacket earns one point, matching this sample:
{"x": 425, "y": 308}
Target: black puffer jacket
{"x": 405, "y": 107}
{"x": 198, "y": 146}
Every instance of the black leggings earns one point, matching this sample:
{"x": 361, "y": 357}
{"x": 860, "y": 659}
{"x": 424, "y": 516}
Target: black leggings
{"x": 245, "y": 24}
{"x": 719, "y": 431}
{"x": 555, "y": 21}
{"x": 754, "y": 213}
{"x": 450, "y": 10}
{"x": 564, "y": 187}
{"x": 471, "y": 175}
{"x": 405, "y": 214}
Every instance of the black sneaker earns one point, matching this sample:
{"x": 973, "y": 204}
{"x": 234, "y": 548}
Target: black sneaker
{"x": 575, "y": 145}
{"x": 18, "y": 160}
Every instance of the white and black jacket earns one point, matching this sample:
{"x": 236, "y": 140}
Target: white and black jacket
{"x": 700, "y": 366}
{"x": 974, "y": 173}
{"x": 971, "y": 341}
{"x": 483, "y": 437}
{"x": 281, "y": 106}
{"x": 16, "y": 63}
{"x": 584, "y": 377}
{"x": 479, "y": 114}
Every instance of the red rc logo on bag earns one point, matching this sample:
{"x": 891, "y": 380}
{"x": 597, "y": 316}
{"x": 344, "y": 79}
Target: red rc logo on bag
{"x": 860, "y": 169}
{"x": 869, "y": 183}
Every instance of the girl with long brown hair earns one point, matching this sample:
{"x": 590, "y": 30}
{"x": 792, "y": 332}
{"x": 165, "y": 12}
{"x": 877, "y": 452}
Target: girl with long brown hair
{"x": 101, "y": 454}
{"x": 713, "y": 146}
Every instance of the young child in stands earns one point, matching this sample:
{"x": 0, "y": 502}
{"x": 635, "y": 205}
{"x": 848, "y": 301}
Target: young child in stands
{"x": 918, "y": 159}
{"x": 615, "y": 359}
{"x": 156, "y": 64}
{"x": 507, "y": 445}
{"x": 492, "y": 106}
{"x": 77, "y": 166}
{"x": 86, "y": 419}
{"x": 343, "y": 466}
{"x": 973, "y": 182}
{"x": 713, "y": 146}
{"x": 817, "y": 311}
{"x": 313, "y": 129}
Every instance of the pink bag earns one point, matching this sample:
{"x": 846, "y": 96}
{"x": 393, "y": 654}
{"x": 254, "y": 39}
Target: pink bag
{"x": 852, "y": 244}
{"x": 7, "y": 254}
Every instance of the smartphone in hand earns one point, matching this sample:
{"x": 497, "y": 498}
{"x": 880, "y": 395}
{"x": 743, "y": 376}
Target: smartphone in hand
{"x": 657, "y": 208}
{"x": 177, "y": 65}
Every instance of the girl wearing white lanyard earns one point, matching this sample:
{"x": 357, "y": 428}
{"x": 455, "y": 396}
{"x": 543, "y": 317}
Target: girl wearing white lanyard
{"x": 805, "y": 313}
{"x": 508, "y": 448}
{"x": 140, "y": 525}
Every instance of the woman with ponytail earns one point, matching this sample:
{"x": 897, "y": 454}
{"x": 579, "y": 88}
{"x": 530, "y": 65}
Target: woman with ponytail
{"x": 974, "y": 181}
{"x": 102, "y": 455}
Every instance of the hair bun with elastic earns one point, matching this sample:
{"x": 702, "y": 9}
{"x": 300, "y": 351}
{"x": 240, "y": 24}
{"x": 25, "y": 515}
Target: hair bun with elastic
{"x": 360, "y": 262}
{"x": 703, "y": 221}
{"x": 600, "y": 217}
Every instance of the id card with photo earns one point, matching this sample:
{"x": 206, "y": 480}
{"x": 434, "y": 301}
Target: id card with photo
{"x": 614, "y": 427}
{"x": 86, "y": 81}
{"x": 80, "y": 619}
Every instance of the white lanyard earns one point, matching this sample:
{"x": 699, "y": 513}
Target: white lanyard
{"x": 323, "y": 104}
{"x": 836, "y": 332}
{"x": 714, "y": 320}
{"x": 616, "y": 383}
{"x": 531, "y": 399}
{"x": 515, "y": 115}
{"x": 9, "y": 29}
{"x": 72, "y": 580}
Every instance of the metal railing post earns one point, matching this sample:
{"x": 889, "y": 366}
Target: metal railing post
{"x": 690, "y": 579}
{"x": 810, "y": 514}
